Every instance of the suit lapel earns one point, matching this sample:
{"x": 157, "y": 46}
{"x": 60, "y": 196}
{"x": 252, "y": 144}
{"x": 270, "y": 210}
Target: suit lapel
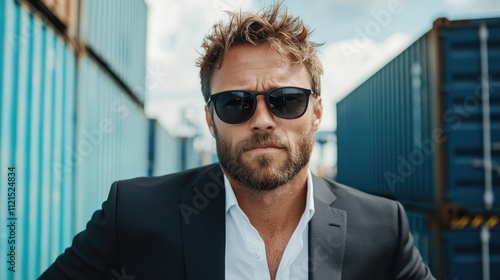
{"x": 203, "y": 225}
{"x": 327, "y": 235}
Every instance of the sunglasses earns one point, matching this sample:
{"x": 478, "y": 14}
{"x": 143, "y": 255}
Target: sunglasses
{"x": 237, "y": 106}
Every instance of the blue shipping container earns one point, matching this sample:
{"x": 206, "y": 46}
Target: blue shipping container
{"x": 455, "y": 253}
{"x": 416, "y": 131}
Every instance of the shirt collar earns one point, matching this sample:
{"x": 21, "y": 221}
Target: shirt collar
{"x": 231, "y": 200}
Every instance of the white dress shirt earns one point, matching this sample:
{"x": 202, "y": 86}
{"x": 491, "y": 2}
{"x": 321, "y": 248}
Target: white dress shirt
{"x": 245, "y": 250}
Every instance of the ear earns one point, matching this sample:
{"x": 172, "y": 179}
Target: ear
{"x": 210, "y": 121}
{"x": 318, "y": 112}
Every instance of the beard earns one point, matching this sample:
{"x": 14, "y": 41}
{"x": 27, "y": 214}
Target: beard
{"x": 264, "y": 172}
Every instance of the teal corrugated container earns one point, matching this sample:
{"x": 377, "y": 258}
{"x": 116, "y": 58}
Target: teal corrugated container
{"x": 69, "y": 126}
{"x": 421, "y": 230}
{"x": 112, "y": 139}
{"x": 165, "y": 153}
{"x": 414, "y": 130}
{"x": 115, "y": 31}
{"x": 37, "y": 72}
{"x": 169, "y": 153}
{"x": 377, "y": 129}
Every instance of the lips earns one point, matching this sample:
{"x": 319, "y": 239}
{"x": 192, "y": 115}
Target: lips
{"x": 263, "y": 146}
{"x": 262, "y": 141}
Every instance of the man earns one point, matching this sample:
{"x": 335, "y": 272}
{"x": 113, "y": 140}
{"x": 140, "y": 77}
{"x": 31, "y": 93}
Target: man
{"x": 260, "y": 214}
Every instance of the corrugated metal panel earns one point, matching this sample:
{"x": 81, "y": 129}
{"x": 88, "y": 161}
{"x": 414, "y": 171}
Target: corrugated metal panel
{"x": 414, "y": 129}
{"x": 463, "y": 254}
{"x": 454, "y": 254}
{"x": 112, "y": 139}
{"x": 381, "y": 134}
{"x": 61, "y": 9}
{"x": 37, "y": 70}
{"x": 189, "y": 157}
{"x": 61, "y": 118}
{"x": 462, "y": 100}
{"x": 115, "y": 30}
{"x": 166, "y": 151}
{"x": 422, "y": 236}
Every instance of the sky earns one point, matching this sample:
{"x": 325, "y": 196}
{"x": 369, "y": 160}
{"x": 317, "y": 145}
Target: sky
{"x": 359, "y": 36}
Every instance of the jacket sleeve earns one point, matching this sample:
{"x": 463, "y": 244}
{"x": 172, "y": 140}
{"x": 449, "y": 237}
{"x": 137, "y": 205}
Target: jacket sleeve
{"x": 93, "y": 253}
{"x": 408, "y": 262}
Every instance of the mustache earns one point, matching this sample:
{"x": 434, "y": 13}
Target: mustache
{"x": 262, "y": 138}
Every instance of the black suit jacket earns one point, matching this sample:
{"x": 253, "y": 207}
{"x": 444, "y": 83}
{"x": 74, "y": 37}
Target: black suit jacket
{"x": 173, "y": 227}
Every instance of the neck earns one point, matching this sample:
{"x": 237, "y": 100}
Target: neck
{"x": 276, "y": 208}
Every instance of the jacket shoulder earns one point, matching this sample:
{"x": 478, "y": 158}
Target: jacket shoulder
{"x": 179, "y": 179}
{"x": 349, "y": 194}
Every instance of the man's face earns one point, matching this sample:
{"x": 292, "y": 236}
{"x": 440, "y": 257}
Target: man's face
{"x": 265, "y": 151}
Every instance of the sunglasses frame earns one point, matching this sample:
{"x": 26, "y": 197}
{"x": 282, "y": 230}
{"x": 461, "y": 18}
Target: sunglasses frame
{"x": 213, "y": 98}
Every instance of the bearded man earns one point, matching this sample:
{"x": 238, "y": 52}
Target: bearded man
{"x": 259, "y": 213}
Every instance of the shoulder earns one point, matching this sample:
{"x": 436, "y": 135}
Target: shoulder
{"x": 360, "y": 205}
{"x": 347, "y": 193}
{"x": 174, "y": 180}
{"x": 376, "y": 229}
{"x": 132, "y": 199}
{"x": 166, "y": 188}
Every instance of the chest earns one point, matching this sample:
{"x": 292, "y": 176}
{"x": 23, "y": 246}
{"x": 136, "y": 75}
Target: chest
{"x": 275, "y": 247}
{"x": 254, "y": 255}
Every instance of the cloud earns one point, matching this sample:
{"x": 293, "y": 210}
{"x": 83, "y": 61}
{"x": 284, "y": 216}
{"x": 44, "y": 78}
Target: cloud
{"x": 471, "y": 3}
{"x": 177, "y": 29}
{"x": 340, "y": 6}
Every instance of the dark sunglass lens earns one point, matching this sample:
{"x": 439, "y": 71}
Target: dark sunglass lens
{"x": 288, "y": 103}
{"x": 234, "y": 107}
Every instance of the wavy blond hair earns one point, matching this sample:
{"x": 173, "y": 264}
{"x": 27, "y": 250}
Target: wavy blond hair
{"x": 286, "y": 34}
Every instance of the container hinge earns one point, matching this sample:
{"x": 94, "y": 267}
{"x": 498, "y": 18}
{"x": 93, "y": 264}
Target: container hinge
{"x": 479, "y": 163}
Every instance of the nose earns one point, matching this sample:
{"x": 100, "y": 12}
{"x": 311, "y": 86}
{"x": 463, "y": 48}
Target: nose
{"x": 262, "y": 118}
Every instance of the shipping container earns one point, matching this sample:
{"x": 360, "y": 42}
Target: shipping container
{"x": 115, "y": 32}
{"x": 69, "y": 127}
{"x": 169, "y": 153}
{"x": 164, "y": 151}
{"x": 112, "y": 138}
{"x": 455, "y": 251}
{"x": 189, "y": 156}
{"x": 419, "y": 129}
{"x": 37, "y": 97}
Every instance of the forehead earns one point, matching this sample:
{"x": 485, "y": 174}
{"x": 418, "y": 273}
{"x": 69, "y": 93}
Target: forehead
{"x": 257, "y": 68}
